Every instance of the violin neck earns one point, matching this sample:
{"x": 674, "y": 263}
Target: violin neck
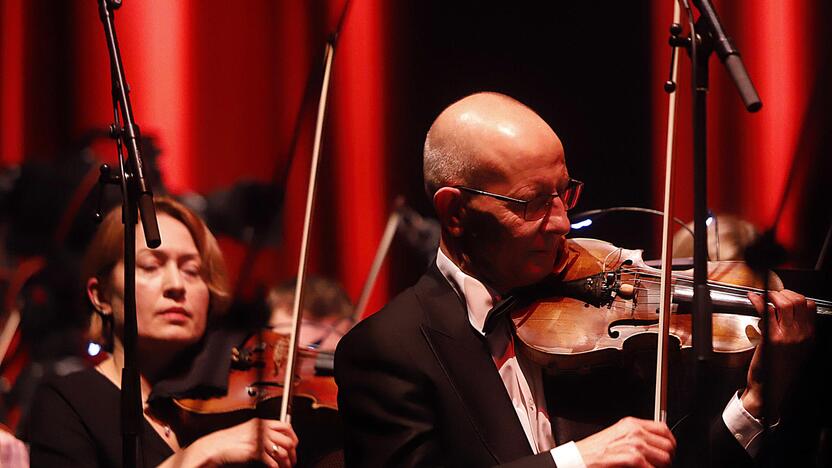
{"x": 735, "y": 298}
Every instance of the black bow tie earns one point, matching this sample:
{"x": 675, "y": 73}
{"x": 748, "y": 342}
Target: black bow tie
{"x": 518, "y": 298}
{"x": 500, "y": 311}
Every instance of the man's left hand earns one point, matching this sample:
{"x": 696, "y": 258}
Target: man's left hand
{"x": 791, "y": 330}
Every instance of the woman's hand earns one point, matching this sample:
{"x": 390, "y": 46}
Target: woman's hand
{"x": 271, "y": 442}
{"x": 13, "y": 453}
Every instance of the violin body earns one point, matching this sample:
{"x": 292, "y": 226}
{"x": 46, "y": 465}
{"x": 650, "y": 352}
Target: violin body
{"x": 565, "y": 332}
{"x": 255, "y": 389}
{"x": 257, "y": 373}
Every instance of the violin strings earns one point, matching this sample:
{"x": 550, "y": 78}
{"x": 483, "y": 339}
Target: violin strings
{"x": 646, "y": 307}
{"x": 725, "y": 288}
{"x": 739, "y": 292}
{"x": 642, "y": 276}
{"x": 716, "y": 285}
{"x": 684, "y": 279}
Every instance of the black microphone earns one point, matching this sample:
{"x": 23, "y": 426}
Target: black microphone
{"x": 729, "y": 56}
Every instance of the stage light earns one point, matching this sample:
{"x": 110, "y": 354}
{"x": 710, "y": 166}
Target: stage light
{"x": 93, "y": 349}
{"x": 582, "y": 224}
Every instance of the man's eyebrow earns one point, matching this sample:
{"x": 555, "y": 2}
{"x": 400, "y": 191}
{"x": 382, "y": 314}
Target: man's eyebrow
{"x": 533, "y": 191}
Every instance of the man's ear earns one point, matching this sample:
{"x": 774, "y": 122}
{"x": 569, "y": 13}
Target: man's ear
{"x": 447, "y": 201}
{"x": 95, "y": 292}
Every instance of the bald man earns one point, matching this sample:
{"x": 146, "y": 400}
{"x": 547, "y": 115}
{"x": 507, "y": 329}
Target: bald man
{"x": 421, "y": 383}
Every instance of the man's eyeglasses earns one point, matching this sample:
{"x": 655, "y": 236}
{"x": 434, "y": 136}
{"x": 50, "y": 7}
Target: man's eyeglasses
{"x": 539, "y": 206}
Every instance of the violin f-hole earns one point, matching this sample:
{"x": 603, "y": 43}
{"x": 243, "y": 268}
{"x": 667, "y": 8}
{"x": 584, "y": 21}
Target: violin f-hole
{"x": 628, "y": 322}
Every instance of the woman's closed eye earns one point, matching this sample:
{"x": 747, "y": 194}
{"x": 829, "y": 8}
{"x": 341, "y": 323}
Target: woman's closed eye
{"x": 148, "y": 266}
{"x": 192, "y": 269}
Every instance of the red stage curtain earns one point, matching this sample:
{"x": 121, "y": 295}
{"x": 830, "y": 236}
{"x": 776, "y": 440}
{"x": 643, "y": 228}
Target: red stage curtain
{"x": 219, "y": 84}
{"x": 749, "y": 155}
{"x": 11, "y": 84}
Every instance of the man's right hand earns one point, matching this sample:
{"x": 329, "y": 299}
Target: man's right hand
{"x": 629, "y": 442}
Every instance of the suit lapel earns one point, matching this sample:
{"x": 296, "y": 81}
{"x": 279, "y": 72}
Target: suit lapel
{"x": 464, "y": 357}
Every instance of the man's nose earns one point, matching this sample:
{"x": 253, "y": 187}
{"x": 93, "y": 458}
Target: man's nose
{"x": 556, "y": 220}
{"x": 174, "y": 285}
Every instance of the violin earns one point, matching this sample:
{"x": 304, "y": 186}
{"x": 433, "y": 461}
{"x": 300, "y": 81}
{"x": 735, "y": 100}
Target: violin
{"x": 256, "y": 389}
{"x": 257, "y": 373}
{"x": 607, "y": 299}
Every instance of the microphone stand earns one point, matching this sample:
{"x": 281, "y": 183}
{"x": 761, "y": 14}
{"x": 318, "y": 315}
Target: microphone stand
{"x": 136, "y": 198}
{"x": 706, "y": 36}
{"x": 702, "y": 321}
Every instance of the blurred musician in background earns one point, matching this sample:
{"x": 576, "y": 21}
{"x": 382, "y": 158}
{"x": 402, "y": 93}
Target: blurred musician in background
{"x": 421, "y": 383}
{"x": 728, "y": 236}
{"x": 327, "y": 312}
{"x": 181, "y": 289}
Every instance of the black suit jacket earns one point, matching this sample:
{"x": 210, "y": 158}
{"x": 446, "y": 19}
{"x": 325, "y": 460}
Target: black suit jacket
{"x": 417, "y": 387}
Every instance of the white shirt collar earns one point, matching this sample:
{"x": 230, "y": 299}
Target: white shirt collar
{"x": 457, "y": 278}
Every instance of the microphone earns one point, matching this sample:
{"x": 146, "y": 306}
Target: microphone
{"x": 729, "y": 55}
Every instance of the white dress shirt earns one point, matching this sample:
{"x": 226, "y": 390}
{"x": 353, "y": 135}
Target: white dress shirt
{"x": 524, "y": 380}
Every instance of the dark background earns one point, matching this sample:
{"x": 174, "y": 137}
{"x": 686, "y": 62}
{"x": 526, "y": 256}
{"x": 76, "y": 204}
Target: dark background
{"x": 558, "y": 58}
{"x": 223, "y": 108}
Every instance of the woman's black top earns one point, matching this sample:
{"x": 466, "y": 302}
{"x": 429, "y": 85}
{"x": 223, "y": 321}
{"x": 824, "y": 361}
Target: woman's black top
{"x": 75, "y": 421}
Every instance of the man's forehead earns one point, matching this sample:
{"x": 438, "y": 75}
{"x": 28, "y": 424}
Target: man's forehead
{"x": 492, "y": 138}
{"x": 511, "y": 144}
{"x": 519, "y": 170}
{"x": 482, "y": 121}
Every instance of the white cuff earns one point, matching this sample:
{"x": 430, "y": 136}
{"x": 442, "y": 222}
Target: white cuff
{"x": 744, "y": 427}
{"x": 568, "y": 456}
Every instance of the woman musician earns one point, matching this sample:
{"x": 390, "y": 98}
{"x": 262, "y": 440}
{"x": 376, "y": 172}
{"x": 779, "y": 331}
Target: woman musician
{"x": 181, "y": 287}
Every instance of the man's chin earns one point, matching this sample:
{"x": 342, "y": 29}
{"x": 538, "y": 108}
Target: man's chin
{"x": 542, "y": 261}
{"x": 529, "y": 276}
{"x": 537, "y": 268}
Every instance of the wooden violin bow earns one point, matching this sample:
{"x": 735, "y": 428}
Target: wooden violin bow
{"x": 665, "y": 308}
{"x": 285, "y": 405}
